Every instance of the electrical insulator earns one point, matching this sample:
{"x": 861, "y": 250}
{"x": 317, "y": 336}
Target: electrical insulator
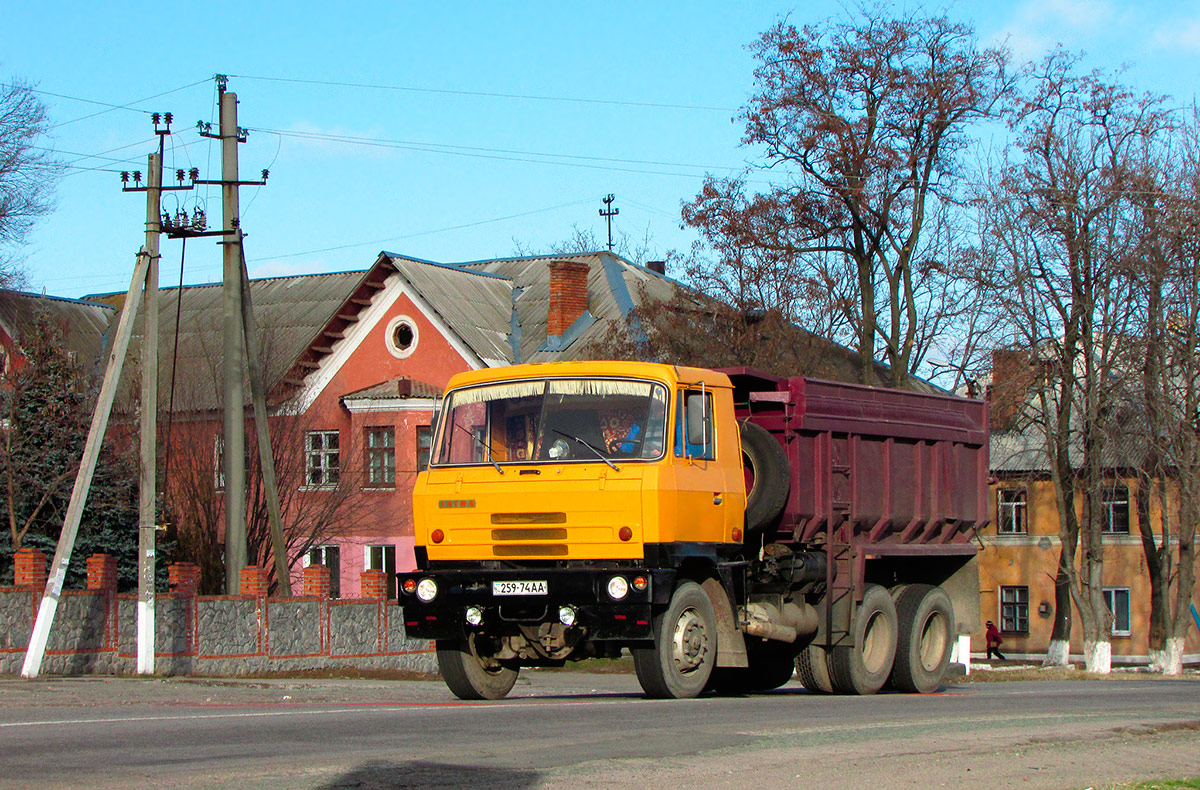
{"x": 124, "y": 176}
{"x": 179, "y": 175}
{"x": 166, "y": 220}
{"x": 154, "y": 118}
{"x": 194, "y": 173}
{"x": 137, "y": 176}
{"x": 181, "y": 218}
{"x": 167, "y": 118}
{"x": 199, "y": 221}
{"x": 265, "y": 173}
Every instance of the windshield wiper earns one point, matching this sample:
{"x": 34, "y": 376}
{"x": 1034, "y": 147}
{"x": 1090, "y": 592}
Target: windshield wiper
{"x": 599, "y": 454}
{"x": 487, "y": 451}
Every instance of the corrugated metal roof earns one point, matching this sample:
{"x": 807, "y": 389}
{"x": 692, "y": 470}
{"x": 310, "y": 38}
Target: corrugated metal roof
{"x": 399, "y": 388}
{"x": 290, "y": 312}
{"x": 477, "y": 306}
{"x": 84, "y": 323}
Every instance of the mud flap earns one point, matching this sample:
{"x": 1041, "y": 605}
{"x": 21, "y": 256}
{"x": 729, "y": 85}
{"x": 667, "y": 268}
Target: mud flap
{"x": 731, "y": 646}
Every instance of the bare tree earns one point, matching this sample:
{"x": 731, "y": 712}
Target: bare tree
{"x": 1166, "y": 268}
{"x": 1060, "y": 247}
{"x": 27, "y": 172}
{"x": 863, "y": 123}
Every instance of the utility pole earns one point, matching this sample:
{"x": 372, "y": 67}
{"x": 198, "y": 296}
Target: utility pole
{"x": 148, "y": 432}
{"x": 232, "y": 358}
{"x": 608, "y": 215}
{"x": 240, "y": 350}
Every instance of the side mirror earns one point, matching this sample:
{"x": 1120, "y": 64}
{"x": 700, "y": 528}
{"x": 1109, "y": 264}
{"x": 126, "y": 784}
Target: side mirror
{"x": 697, "y": 422}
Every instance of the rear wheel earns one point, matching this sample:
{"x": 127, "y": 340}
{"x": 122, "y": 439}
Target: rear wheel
{"x": 681, "y": 661}
{"x": 471, "y": 676}
{"x": 864, "y": 666}
{"x": 925, "y": 618}
{"x": 813, "y": 670}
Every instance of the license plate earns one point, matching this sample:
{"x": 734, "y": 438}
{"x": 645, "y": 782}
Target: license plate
{"x": 519, "y": 588}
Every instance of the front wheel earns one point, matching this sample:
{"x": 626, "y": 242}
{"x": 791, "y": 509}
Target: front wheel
{"x": 471, "y": 676}
{"x": 679, "y": 664}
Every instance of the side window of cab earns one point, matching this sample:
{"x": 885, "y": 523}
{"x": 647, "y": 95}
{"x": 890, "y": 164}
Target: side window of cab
{"x": 694, "y": 425}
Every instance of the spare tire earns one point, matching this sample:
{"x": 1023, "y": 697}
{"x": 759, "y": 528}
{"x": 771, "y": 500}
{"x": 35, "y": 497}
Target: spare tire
{"x": 768, "y": 475}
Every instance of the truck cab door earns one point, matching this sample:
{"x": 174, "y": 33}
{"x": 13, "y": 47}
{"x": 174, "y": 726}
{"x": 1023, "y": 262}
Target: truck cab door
{"x": 700, "y": 480}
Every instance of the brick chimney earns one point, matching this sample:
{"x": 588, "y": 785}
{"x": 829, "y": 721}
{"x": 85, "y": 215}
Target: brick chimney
{"x": 1013, "y": 374}
{"x": 568, "y": 295}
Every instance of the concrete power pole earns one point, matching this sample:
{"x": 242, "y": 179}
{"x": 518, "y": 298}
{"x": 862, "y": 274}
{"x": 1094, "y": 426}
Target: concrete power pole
{"x": 236, "y": 552}
{"x": 148, "y": 482}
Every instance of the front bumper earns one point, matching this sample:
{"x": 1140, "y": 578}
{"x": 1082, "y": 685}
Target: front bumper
{"x": 601, "y": 617}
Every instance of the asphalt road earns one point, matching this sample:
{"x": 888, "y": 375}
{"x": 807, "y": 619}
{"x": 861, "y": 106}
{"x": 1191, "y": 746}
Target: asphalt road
{"x": 574, "y": 729}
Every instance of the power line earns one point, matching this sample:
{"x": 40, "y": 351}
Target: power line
{"x": 490, "y": 95}
{"x": 127, "y": 106}
{"x": 426, "y": 232}
{"x": 508, "y": 155}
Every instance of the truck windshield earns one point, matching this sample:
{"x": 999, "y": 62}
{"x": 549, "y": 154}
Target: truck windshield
{"x": 553, "y": 421}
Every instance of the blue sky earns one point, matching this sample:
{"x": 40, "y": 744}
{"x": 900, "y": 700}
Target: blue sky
{"x": 450, "y": 157}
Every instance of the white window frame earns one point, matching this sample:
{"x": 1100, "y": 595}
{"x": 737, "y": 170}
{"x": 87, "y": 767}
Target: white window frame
{"x": 1112, "y": 596}
{"x": 327, "y": 458}
{"x": 1015, "y": 511}
{"x": 335, "y": 574}
{"x": 369, "y": 563}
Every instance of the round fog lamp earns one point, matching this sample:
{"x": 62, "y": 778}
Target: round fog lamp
{"x": 618, "y": 588}
{"x": 410, "y": 586}
{"x": 474, "y": 615}
{"x": 427, "y": 590}
{"x": 640, "y": 583}
{"x": 566, "y": 615}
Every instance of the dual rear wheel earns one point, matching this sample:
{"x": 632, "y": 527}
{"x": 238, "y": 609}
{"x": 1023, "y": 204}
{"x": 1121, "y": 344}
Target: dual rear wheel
{"x": 900, "y": 638}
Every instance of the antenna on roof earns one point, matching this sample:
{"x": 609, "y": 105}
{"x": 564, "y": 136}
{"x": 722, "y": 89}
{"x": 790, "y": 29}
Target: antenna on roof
{"x": 608, "y": 215}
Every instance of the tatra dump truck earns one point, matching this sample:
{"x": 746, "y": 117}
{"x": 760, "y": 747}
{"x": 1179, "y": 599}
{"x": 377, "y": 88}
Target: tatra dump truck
{"x": 729, "y": 528}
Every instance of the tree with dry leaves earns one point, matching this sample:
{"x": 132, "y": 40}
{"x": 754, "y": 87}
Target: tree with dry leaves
{"x": 27, "y": 172}
{"x": 1060, "y": 247}
{"x": 862, "y": 123}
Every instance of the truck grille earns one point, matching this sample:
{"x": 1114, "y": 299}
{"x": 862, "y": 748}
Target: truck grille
{"x": 530, "y": 550}
{"x": 529, "y": 534}
{"x": 529, "y": 518}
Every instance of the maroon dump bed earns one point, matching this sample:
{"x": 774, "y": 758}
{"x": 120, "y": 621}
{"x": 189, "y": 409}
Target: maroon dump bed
{"x": 903, "y": 472}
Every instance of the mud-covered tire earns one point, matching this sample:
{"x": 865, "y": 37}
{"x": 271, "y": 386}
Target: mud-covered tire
{"x": 812, "y": 669}
{"x": 925, "y": 637}
{"x": 681, "y": 661}
{"x": 865, "y": 665}
{"x": 468, "y": 676}
{"x": 768, "y": 475}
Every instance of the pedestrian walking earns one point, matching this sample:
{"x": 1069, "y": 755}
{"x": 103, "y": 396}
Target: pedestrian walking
{"x": 993, "y": 641}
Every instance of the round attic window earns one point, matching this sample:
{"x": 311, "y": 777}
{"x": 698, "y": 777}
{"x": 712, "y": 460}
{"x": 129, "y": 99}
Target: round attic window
{"x": 401, "y": 336}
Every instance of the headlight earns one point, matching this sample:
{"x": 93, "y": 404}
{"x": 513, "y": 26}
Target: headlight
{"x": 566, "y": 615}
{"x": 427, "y": 590}
{"x": 474, "y": 615}
{"x": 618, "y": 588}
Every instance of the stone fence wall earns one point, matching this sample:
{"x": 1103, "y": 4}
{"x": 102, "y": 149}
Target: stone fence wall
{"x": 95, "y": 630}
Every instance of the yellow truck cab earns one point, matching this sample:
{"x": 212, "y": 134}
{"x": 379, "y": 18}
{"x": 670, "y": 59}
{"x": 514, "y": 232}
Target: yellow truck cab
{"x": 707, "y": 521}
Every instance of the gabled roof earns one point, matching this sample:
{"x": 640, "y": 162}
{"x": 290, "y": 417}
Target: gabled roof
{"x": 291, "y": 312}
{"x": 84, "y": 323}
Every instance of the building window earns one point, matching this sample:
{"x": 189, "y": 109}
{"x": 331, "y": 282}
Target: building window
{"x": 1117, "y": 601}
{"x": 383, "y": 558}
{"x": 331, "y": 558}
{"x": 1014, "y": 610}
{"x": 381, "y": 457}
{"x": 1115, "y": 506}
{"x": 424, "y": 442}
{"x": 1010, "y": 511}
{"x": 321, "y": 451}
{"x": 401, "y": 336}
{"x": 219, "y": 463}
